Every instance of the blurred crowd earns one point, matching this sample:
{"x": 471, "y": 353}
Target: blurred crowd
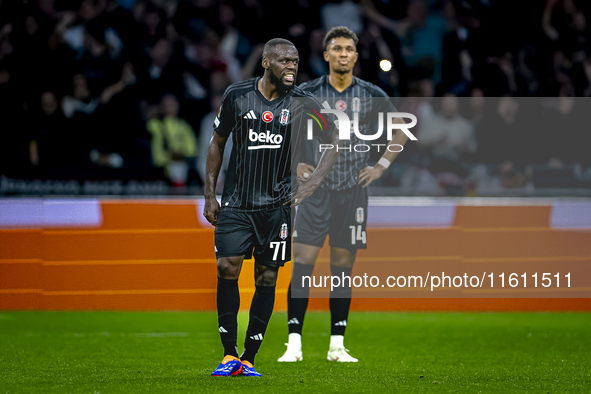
{"x": 102, "y": 88}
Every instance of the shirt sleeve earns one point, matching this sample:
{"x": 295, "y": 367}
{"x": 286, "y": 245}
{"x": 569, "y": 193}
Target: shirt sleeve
{"x": 323, "y": 125}
{"x": 223, "y": 122}
{"x": 386, "y": 104}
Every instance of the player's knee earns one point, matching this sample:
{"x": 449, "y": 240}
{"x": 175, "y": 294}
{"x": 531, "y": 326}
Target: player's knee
{"x": 302, "y": 259}
{"x": 342, "y": 258}
{"x": 344, "y": 263}
{"x": 227, "y": 270}
{"x": 266, "y": 278}
{"x": 305, "y": 254}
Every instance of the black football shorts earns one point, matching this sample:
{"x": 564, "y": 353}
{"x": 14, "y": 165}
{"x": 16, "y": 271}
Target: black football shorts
{"x": 340, "y": 214}
{"x": 264, "y": 234}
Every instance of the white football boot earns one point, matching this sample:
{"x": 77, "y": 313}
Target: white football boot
{"x": 292, "y": 354}
{"x": 340, "y": 354}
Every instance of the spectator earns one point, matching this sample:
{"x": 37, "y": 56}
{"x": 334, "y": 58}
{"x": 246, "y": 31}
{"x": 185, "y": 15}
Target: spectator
{"x": 153, "y": 25}
{"x": 103, "y": 128}
{"x": 582, "y": 77}
{"x": 501, "y": 134}
{"x": 566, "y": 25}
{"x": 314, "y": 64}
{"x": 100, "y": 61}
{"x": 447, "y": 135}
{"x": 503, "y": 142}
{"x": 341, "y": 13}
{"x": 503, "y": 78}
{"x": 51, "y": 144}
{"x": 164, "y": 74}
{"x": 560, "y": 130}
{"x": 14, "y": 145}
{"x": 460, "y": 51}
{"x": 419, "y": 100}
{"x": 75, "y": 28}
{"x": 421, "y": 35}
{"x": 477, "y": 106}
{"x": 233, "y": 44}
{"x": 174, "y": 145}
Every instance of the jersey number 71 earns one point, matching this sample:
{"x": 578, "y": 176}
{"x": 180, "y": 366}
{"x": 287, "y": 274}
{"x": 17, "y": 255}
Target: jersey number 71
{"x": 276, "y": 246}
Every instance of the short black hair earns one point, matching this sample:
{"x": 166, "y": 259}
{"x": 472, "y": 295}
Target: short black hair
{"x": 340, "y": 31}
{"x": 271, "y": 44}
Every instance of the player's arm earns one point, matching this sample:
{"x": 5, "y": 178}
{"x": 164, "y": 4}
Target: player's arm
{"x": 327, "y": 160}
{"x": 370, "y": 173}
{"x": 305, "y": 169}
{"x": 222, "y": 127}
{"x": 215, "y": 155}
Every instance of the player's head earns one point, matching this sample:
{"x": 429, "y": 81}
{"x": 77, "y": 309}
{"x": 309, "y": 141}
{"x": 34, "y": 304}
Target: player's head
{"x": 280, "y": 61}
{"x": 340, "y": 49}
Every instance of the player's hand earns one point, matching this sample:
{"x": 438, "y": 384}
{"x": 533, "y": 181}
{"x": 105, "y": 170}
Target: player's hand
{"x": 369, "y": 174}
{"x": 211, "y": 210}
{"x": 305, "y": 171}
{"x": 305, "y": 190}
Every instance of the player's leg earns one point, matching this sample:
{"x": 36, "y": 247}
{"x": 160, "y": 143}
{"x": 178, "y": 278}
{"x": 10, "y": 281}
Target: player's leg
{"x": 261, "y": 310}
{"x": 341, "y": 265}
{"x": 311, "y": 229}
{"x": 228, "y": 304}
{"x": 272, "y": 250}
{"x": 232, "y": 244}
{"x": 304, "y": 258}
{"x": 347, "y": 235}
{"x": 228, "y": 301}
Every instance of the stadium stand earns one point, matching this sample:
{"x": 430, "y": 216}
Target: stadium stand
{"x": 80, "y": 81}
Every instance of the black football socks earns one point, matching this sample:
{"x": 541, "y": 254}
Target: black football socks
{"x": 260, "y": 314}
{"x": 228, "y": 303}
{"x": 297, "y": 297}
{"x": 340, "y": 300}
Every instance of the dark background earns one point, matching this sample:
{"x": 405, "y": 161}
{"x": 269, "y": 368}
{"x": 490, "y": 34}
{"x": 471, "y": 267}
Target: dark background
{"x": 80, "y": 82}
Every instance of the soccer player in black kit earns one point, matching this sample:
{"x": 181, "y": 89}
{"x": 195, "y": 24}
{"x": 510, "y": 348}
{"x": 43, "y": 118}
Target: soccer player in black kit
{"x": 255, "y": 214}
{"x": 339, "y": 207}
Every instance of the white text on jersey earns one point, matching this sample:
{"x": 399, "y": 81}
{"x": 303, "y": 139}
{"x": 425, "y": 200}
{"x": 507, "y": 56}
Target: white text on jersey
{"x": 272, "y": 141}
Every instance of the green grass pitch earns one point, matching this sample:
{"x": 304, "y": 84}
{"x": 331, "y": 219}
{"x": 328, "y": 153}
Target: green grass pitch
{"x": 175, "y": 352}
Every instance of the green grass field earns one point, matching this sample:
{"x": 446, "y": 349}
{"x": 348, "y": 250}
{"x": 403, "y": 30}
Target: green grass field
{"x": 170, "y": 352}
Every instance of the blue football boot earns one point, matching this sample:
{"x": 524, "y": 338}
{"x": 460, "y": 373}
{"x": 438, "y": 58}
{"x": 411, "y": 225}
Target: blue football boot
{"x": 248, "y": 369}
{"x": 230, "y": 366}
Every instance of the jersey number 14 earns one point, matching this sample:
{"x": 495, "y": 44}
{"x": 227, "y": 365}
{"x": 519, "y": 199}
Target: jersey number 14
{"x": 357, "y": 234}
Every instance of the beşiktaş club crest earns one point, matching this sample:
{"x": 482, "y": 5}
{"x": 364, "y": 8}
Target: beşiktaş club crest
{"x": 359, "y": 215}
{"x": 283, "y": 232}
{"x": 284, "y": 118}
{"x": 356, "y": 104}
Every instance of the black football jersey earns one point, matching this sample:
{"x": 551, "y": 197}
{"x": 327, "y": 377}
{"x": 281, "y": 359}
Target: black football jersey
{"x": 357, "y": 98}
{"x": 267, "y": 138}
